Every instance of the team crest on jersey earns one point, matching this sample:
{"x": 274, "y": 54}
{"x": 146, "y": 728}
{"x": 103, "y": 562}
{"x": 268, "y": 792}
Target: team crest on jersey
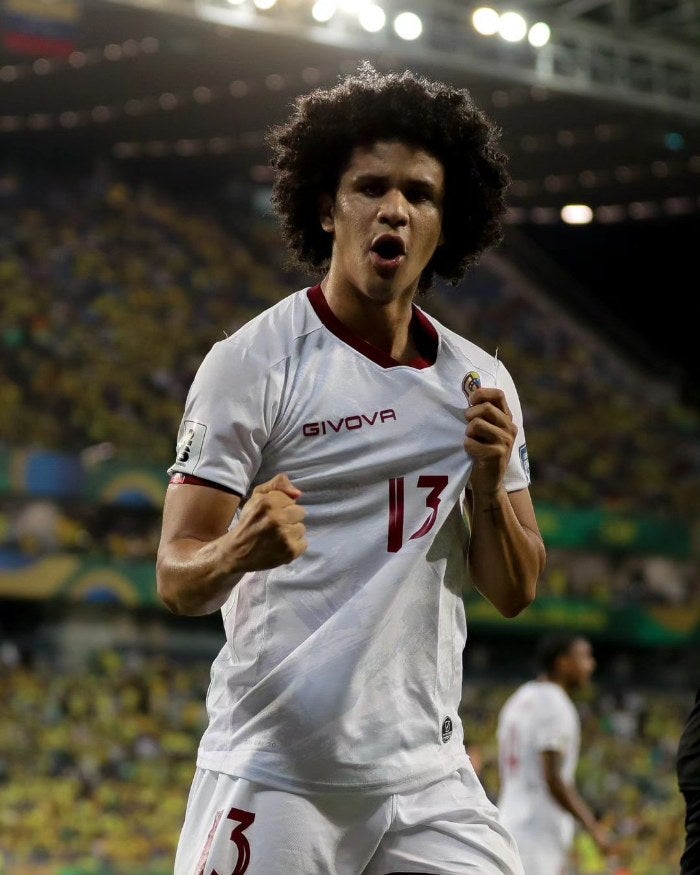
{"x": 189, "y": 445}
{"x": 470, "y": 383}
{"x": 446, "y": 730}
{"x": 525, "y": 461}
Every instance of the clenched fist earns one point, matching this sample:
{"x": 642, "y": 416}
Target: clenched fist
{"x": 270, "y": 529}
{"x": 489, "y": 438}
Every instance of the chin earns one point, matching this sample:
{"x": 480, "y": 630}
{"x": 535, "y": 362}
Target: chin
{"x": 377, "y": 289}
{"x": 391, "y": 288}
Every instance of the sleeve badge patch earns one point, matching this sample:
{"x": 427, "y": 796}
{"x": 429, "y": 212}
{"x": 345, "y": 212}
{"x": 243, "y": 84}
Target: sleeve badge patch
{"x": 189, "y": 446}
{"x": 525, "y": 461}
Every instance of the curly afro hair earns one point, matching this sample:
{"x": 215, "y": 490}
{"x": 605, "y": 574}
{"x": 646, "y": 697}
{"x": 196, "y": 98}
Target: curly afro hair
{"x": 313, "y": 148}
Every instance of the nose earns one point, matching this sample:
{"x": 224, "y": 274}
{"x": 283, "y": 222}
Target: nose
{"x": 393, "y": 209}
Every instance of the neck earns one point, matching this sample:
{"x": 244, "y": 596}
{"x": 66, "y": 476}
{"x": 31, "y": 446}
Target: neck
{"x": 382, "y": 320}
{"x": 554, "y": 679}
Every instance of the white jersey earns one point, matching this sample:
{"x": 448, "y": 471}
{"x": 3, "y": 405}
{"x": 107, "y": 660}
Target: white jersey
{"x": 539, "y": 716}
{"x": 342, "y": 669}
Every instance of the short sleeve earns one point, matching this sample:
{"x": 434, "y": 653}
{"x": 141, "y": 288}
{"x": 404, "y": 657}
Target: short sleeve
{"x": 517, "y": 474}
{"x": 554, "y": 730}
{"x": 229, "y": 413}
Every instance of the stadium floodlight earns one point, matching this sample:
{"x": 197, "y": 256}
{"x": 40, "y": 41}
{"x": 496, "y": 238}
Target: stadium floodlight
{"x": 264, "y": 4}
{"x": 372, "y": 18}
{"x": 512, "y": 27}
{"x": 576, "y": 214}
{"x": 408, "y": 25}
{"x": 323, "y": 10}
{"x": 539, "y": 34}
{"x": 485, "y": 21}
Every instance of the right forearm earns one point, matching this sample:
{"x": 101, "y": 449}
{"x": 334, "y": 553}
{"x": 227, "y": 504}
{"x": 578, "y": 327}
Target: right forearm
{"x": 195, "y": 577}
{"x": 199, "y": 561}
{"x": 571, "y": 801}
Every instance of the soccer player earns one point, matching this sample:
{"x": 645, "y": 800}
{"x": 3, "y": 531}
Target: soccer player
{"x": 539, "y": 736}
{"x": 688, "y": 770}
{"x": 315, "y": 500}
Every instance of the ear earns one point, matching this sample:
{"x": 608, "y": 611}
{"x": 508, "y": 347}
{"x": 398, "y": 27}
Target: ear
{"x": 326, "y": 210}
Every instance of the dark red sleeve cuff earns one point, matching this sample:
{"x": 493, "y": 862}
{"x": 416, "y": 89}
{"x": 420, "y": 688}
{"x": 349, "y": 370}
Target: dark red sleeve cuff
{"x": 178, "y": 479}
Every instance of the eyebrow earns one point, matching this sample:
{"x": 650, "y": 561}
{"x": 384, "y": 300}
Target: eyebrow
{"x": 420, "y": 183}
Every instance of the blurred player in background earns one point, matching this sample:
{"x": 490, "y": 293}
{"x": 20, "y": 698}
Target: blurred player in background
{"x": 316, "y": 501}
{"x": 688, "y": 768}
{"x": 539, "y": 737}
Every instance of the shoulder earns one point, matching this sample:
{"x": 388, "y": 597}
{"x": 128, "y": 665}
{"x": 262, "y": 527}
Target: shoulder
{"x": 485, "y": 362}
{"x": 561, "y": 704}
{"x": 519, "y": 698}
{"x": 492, "y": 369}
{"x": 270, "y": 337}
{"x": 546, "y": 697}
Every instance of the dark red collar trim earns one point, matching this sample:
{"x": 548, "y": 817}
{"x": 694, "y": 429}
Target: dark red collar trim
{"x": 424, "y": 334}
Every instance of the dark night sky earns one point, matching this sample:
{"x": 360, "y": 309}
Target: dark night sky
{"x": 644, "y": 275}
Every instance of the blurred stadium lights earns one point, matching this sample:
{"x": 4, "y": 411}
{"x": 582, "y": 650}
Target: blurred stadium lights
{"x": 576, "y": 214}
{"x": 371, "y": 27}
{"x": 408, "y": 25}
{"x": 323, "y": 10}
{"x": 576, "y": 57}
{"x": 372, "y": 18}
{"x": 539, "y": 34}
{"x": 512, "y": 27}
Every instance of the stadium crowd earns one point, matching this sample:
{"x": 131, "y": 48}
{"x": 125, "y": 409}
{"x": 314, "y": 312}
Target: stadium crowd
{"x": 37, "y": 527}
{"x": 114, "y": 292}
{"x": 95, "y": 762}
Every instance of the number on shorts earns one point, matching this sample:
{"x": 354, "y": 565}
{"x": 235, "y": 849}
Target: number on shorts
{"x": 244, "y": 819}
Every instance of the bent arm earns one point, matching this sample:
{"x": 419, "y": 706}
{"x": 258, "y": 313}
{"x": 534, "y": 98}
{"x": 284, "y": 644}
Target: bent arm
{"x": 506, "y": 552}
{"x": 569, "y": 798}
{"x": 200, "y": 560}
{"x": 196, "y": 568}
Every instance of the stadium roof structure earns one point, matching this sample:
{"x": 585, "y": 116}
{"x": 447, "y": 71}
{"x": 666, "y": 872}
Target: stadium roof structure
{"x": 607, "y": 113}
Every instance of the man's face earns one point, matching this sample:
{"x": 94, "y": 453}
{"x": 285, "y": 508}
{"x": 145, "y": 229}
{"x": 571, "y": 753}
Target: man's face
{"x": 386, "y": 218}
{"x": 579, "y": 663}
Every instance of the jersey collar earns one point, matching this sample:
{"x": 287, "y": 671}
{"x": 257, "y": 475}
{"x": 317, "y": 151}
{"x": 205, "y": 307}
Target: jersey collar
{"x": 423, "y": 331}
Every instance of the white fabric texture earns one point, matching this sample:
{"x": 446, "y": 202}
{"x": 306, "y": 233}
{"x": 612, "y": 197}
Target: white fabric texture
{"x": 342, "y": 669}
{"x": 446, "y": 828}
{"x": 537, "y": 717}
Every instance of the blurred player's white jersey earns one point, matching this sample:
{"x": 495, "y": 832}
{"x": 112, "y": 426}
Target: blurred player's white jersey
{"x": 539, "y": 716}
{"x": 342, "y": 669}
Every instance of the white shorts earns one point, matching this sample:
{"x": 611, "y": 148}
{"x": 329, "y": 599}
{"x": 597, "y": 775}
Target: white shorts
{"x": 233, "y": 826}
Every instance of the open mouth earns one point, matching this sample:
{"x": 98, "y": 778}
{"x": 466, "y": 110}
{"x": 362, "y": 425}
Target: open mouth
{"x": 387, "y": 251}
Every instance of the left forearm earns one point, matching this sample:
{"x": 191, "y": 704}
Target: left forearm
{"x": 505, "y": 558}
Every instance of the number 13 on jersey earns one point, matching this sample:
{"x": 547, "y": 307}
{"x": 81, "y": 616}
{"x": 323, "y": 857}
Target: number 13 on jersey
{"x": 434, "y": 484}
